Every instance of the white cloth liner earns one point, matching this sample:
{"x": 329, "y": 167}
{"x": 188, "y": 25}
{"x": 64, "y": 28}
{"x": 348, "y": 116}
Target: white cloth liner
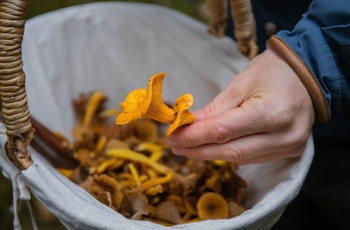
{"x": 116, "y": 47}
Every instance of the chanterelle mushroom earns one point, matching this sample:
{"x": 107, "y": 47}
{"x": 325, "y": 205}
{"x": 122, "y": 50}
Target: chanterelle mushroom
{"x": 149, "y": 104}
{"x": 135, "y": 173}
{"x": 146, "y": 103}
{"x": 132, "y": 155}
{"x": 212, "y": 206}
{"x": 183, "y": 116}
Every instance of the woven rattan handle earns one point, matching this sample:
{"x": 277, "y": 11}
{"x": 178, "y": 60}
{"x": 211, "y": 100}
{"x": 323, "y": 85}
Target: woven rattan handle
{"x": 12, "y": 82}
{"x": 243, "y": 19}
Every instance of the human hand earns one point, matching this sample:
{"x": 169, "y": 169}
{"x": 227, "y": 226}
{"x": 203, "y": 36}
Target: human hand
{"x": 264, "y": 114}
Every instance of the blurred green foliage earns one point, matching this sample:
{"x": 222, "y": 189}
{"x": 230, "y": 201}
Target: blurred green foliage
{"x": 189, "y": 7}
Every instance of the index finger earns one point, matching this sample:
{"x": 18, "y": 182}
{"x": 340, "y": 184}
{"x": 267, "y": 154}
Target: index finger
{"x": 250, "y": 118}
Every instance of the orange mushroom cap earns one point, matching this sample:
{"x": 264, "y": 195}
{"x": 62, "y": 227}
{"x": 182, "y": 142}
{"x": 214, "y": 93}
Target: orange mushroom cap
{"x": 212, "y": 206}
{"x": 184, "y": 116}
{"x": 146, "y": 103}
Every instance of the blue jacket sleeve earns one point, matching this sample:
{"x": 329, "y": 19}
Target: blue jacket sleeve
{"x": 321, "y": 39}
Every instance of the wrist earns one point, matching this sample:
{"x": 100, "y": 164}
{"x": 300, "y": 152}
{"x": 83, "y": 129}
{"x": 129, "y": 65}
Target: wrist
{"x": 318, "y": 98}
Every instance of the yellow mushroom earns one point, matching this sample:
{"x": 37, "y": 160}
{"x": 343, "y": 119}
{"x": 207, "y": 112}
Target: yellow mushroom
{"x": 126, "y": 184}
{"x": 156, "y": 181}
{"x": 109, "y": 164}
{"x": 213, "y": 182}
{"x": 156, "y": 150}
{"x": 146, "y": 103}
{"x": 94, "y": 102}
{"x": 143, "y": 178}
{"x": 125, "y": 176}
{"x": 155, "y": 190}
{"x": 86, "y": 131}
{"x": 149, "y": 146}
{"x": 101, "y": 143}
{"x": 132, "y": 106}
{"x": 156, "y": 156}
{"x": 134, "y": 174}
{"x": 212, "y": 206}
{"x": 184, "y": 116}
{"x": 132, "y": 155}
{"x": 151, "y": 173}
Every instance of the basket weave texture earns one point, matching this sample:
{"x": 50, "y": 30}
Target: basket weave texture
{"x": 12, "y": 81}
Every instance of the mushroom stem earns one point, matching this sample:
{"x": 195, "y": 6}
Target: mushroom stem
{"x": 95, "y": 100}
{"x": 156, "y": 156}
{"x": 153, "y": 191}
{"x": 153, "y": 182}
{"x": 132, "y": 155}
{"x": 101, "y": 143}
{"x": 107, "y": 164}
{"x": 134, "y": 174}
{"x": 156, "y": 150}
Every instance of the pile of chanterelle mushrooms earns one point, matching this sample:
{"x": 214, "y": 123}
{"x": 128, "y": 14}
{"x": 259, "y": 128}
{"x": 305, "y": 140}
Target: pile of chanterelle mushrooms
{"x": 129, "y": 168}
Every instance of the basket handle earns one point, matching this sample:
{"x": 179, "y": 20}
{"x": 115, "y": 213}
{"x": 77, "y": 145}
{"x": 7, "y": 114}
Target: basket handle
{"x": 13, "y": 96}
{"x": 243, "y": 19}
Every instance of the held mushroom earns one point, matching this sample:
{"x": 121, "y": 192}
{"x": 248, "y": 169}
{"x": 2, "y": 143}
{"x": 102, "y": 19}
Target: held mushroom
{"x": 146, "y": 103}
{"x": 184, "y": 116}
{"x": 142, "y": 103}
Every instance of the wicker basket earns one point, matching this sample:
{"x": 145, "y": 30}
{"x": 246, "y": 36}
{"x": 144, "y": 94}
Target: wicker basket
{"x": 271, "y": 185}
{"x": 13, "y": 93}
{"x": 12, "y": 82}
